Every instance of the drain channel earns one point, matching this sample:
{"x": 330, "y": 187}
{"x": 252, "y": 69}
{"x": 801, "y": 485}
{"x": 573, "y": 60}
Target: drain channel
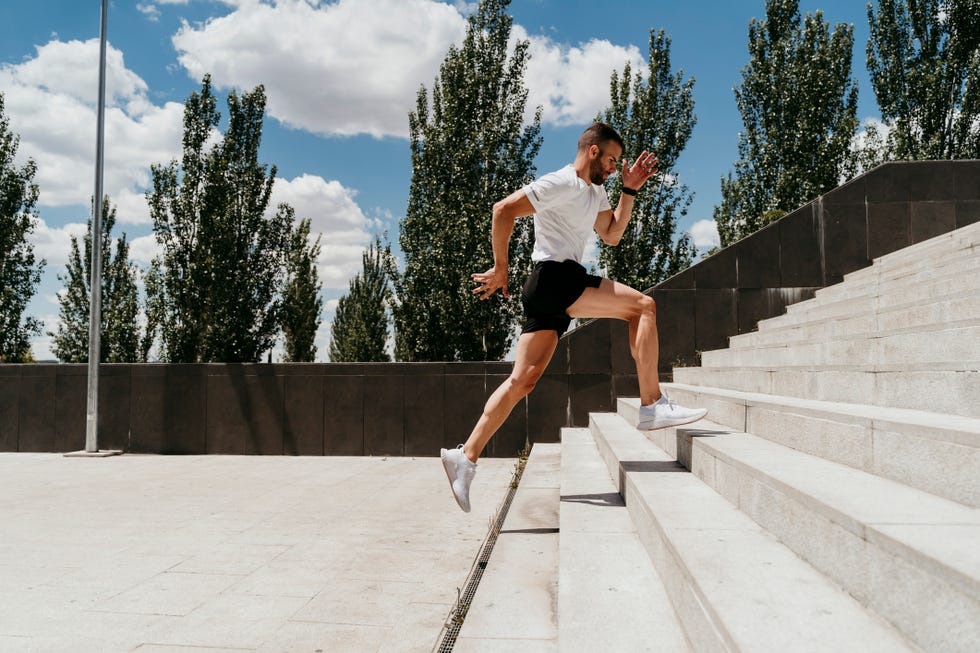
{"x": 457, "y": 614}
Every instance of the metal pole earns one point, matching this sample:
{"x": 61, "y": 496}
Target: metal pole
{"x": 95, "y": 312}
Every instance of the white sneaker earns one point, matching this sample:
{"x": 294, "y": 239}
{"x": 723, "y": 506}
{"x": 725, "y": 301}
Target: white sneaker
{"x": 665, "y": 412}
{"x": 460, "y": 471}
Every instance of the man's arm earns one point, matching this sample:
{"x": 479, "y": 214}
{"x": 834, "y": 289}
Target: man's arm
{"x": 611, "y": 225}
{"x": 505, "y": 212}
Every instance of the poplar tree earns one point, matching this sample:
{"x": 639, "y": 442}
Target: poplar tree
{"x": 20, "y": 271}
{"x": 924, "y": 62}
{"x": 302, "y": 304}
{"x": 359, "y": 333}
{"x": 798, "y": 103}
{"x": 119, "y": 335}
{"x": 214, "y": 293}
{"x": 655, "y": 114}
{"x": 470, "y": 148}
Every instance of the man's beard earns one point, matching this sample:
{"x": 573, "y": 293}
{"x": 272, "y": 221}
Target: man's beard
{"x": 596, "y": 174}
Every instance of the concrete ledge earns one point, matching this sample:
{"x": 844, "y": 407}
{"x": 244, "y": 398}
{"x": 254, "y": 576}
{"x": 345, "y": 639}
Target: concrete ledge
{"x": 515, "y": 606}
{"x": 930, "y": 451}
{"x": 730, "y": 582}
{"x": 877, "y": 538}
{"x": 610, "y": 598}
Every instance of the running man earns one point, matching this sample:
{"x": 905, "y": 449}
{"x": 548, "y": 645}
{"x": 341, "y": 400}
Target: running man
{"x": 567, "y": 205}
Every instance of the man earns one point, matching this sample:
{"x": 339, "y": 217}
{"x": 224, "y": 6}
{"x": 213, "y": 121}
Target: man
{"x": 567, "y": 205}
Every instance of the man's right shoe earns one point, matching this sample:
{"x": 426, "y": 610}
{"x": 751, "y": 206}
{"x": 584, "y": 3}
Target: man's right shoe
{"x": 460, "y": 470}
{"x": 665, "y": 413}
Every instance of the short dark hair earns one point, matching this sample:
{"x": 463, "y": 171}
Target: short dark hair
{"x": 598, "y": 134}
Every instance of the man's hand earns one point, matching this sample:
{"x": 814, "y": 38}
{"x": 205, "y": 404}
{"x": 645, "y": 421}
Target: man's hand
{"x": 642, "y": 169}
{"x": 491, "y": 280}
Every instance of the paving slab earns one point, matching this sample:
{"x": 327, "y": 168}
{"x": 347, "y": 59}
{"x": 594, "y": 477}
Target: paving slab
{"x": 234, "y": 553}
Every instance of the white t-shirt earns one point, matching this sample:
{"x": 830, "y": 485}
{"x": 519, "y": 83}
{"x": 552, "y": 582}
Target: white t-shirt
{"x": 565, "y": 210}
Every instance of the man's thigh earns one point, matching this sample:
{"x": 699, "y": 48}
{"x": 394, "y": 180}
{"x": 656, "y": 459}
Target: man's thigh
{"x": 610, "y": 299}
{"x": 534, "y": 352}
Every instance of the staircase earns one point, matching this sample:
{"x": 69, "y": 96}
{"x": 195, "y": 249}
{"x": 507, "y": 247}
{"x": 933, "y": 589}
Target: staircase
{"x": 829, "y": 502}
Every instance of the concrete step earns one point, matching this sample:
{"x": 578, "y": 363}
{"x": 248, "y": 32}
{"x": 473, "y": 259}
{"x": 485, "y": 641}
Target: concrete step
{"x": 957, "y": 311}
{"x": 909, "y": 556}
{"x": 932, "y": 263}
{"x": 920, "y": 387}
{"x": 933, "y": 452}
{"x": 878, "y": 299}
{"x": 514, "y": 608}
{"x": 958, "y": 348}
{"x": 908, "y": 257}
{"x": 733, "y": 585}
{"x": 610, "y": 598}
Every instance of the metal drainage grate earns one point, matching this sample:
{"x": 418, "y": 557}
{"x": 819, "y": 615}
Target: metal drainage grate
{"x": 463, "y": 600}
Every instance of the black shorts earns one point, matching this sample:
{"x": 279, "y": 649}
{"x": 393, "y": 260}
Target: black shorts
{"x": 550, "y": 289}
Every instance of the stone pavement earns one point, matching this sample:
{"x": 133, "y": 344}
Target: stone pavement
{"x": 233, "y": 553}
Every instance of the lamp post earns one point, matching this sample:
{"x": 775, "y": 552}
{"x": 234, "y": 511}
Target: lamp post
{"x": 95, "y": 287}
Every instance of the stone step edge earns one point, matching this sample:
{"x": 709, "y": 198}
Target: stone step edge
{"x": 794, "y": 334}
{"x": 952, "y": 254}
{"x": 937, "y": 330}
{"x": 476, "y": 630}
{"x": 650, "y": 612}
{"x": 963, "y": 236}
{"x": 640, "y": 450}
{"x": 956, "y": 429}
{"x": 967, "y": 579}
{"x": 874, "y": 299}
{"x": 882, "y": 276}
{"x": 957, "y": 367}
{"x": 735, "y": 342}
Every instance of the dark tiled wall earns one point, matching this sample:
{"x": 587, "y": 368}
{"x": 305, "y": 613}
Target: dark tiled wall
{"x": 409, "y": 409}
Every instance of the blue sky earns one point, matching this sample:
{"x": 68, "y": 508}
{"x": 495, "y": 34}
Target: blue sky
{"x": 340, "y": 77}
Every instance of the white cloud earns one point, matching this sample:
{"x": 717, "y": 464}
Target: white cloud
{"x": 335, "y": 215}
{"x": 572, "y": 83}
{"x": 143, "y": 249}
{"x": 50, "y": 100}
{"x": 151, "y": 12}
{"x": 705, "y": 234}
{"x": 54, "y": 243}
{"x": 351, "y": 67}
{"x": 345, "y": 68}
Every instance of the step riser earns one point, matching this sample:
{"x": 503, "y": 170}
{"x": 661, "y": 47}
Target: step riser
{"x": 897, "y": 452}
{"x": 928, "y": 609}
{"x": 960, "y": 347}
{"x": 605, "y": 575}
{"x": 878, "y": 276}
{"x": 951, "y": 392}
{"x": 723, "y": 574}
{"x": 964, "y": 238}
{"x": 960, "y": 312}
{"x": 883, "y": 299}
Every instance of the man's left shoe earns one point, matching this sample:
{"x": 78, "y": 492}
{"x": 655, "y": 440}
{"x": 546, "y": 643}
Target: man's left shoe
{"x": 665, "y": 413}
{"x": 460, "y": 471}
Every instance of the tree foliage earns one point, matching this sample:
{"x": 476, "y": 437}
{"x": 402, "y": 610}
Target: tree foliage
{"x": 301, "y": 304}
{"x": 360, "y": 324}
{"x": 119, "y": 335}
{"x": 656, "y": 114}
{"x": 469, "y": 149}
{"x": 798, "y": 103}
{"x": 20, "y": 271}
{"x": 924, "y": 62}
{"x": 214, "y": 291}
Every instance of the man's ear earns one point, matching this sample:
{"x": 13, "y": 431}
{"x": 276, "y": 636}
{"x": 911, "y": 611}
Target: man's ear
{"x": 594, "y": 151}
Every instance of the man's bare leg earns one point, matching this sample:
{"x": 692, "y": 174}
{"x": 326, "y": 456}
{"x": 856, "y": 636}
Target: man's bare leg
{"x": 534, "y": 351}
{"x": 615, "y": 300}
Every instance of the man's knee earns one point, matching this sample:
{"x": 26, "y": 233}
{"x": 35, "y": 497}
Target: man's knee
{"x": 522, "y": 384}
{"x": 645, "y": 306}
